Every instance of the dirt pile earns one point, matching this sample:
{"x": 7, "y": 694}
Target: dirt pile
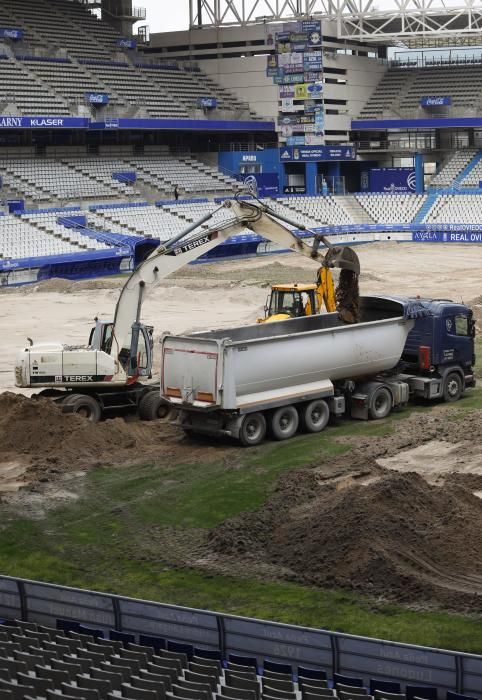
{"x": 39, "y": 438}
{"x": 352, "y": 522}
{"x": 395, "y": 537}
{"x": 476, "y": 306}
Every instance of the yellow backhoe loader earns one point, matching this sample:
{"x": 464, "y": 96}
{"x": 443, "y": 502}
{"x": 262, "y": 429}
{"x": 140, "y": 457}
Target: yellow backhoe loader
{"x": 294, "y": 300}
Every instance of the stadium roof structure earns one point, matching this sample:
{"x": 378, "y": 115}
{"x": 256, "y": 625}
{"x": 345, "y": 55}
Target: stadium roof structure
{"x": 410, "y": 23}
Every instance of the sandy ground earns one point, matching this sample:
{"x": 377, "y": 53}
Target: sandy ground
{"x": 225, "y": 294}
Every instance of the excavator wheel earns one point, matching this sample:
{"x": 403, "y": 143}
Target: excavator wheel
{"x": 152, "y": 407}
{"x": 84, "y": 405}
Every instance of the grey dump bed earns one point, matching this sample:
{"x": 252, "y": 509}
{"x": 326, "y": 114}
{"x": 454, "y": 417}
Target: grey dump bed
{"x": 248, "y": 367}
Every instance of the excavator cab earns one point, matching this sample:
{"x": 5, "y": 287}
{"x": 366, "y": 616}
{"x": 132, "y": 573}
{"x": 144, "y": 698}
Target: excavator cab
{"x": 290, "y": 301}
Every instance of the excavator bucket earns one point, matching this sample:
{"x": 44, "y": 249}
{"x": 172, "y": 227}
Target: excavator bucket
{"x": 342, "y": 257}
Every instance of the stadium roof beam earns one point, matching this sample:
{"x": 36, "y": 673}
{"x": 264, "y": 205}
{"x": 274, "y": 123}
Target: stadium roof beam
{"x": 413, "y": 22}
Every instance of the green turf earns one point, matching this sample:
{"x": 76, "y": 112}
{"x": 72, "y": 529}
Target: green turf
{"x": 115, "y": 538}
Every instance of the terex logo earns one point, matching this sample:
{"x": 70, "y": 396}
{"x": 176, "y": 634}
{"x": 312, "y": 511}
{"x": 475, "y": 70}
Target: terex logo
{"x": 78, "y": 378}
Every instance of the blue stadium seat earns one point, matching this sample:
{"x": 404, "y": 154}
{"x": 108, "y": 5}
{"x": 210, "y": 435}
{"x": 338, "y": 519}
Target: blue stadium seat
{"x": 458, "y": 696}
{"x": 90, "y": 630}
{"x": 68, "y": 625}
{"x": 122, "y": 637}
{"x": 314, "y": 673}
{"x": 157, "y": 643}
{"x": 244, "y": 660}
{"x": 387, "y": 686}
{"x": 421, "y": 691}
{"x": 208, "y": 654}
{"x": 180, "y": 648}
{"x": 277, "y": 667}
{"x": 347, "y": 680}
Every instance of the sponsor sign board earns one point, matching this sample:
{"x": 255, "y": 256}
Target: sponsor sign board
{"x": 207, "y": 102}
{"x": 11, "y": 33}
{"x": 436, "y": 101}
{"x": 316, "y": 153}
{"x": 97, "y": 98}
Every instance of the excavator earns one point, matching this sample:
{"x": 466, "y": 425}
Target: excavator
{"x": 295, "y": 300}
{"x": 111, "y": 373}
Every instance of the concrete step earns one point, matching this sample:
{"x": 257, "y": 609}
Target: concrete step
{"x": 354, "y": 209}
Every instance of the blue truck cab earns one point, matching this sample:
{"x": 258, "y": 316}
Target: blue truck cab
{"x": 439, "y": 355}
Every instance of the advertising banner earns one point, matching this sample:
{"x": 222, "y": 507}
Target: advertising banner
{"x": 261, "y": 184}
{"x": 294, "y": 189}
{"x": 319, "y": 119}
{"x": 44, "y": 123}
{"x": 287, "y": 104}
{"x": 296, "y": 119}
{"x": 207, "y": 102}
{"x": 125, "y": 43}
{"x": 97, "y": 98}
{"x": 291, "y": 59}
{"x": 313, "y": 76}
{"x": 296, "y": 140}
{"x": 316, "y": 153}
{"x": 312, "y": 25}
{"x": 308, "y": 91}
{"x": 313, "y": 60}
{"x": 11, "y": 33}
{"x": 313, "y": 140}
{"x": 392, "y": 180}
{"x": 289, "y": 79}
{"x": 440, "y": 101}
{"x": 286, "y": 91}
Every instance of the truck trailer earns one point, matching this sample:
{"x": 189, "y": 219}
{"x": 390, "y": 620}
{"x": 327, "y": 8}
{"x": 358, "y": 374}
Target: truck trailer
{"x": 292, "y": 375}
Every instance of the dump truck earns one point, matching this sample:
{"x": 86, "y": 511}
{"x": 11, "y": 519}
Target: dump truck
{"x": 279, "y": 378}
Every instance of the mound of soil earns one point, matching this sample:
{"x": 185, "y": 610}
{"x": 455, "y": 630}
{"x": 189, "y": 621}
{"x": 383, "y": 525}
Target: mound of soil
{"x": 355, "y": 524}
{"x": 35, "y": 434}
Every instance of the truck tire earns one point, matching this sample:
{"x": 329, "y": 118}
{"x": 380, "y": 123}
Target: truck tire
{"x": 152, "y": 406}
{"x": 380, "y": 403}
{"x": 284, "y": 422}
{"x": 84, "y": 405}
{"x": 252, "y": 430}
{"x": 453, "y": 387}
{"x": 314, "y": 416}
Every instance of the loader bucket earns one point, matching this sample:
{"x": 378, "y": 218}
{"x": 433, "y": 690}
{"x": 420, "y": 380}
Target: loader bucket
{"x": 342, "y": 257}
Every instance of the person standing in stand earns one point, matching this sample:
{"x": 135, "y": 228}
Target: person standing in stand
{"x": 176, "y": 193}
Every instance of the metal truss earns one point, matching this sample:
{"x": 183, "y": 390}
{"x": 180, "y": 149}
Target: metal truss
{"x": 412, "y": 22}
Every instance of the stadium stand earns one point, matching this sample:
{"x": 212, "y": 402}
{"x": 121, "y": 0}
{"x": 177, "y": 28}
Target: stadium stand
{"x": 51, "y": 56}
{"x": 455, "y": 208}
{"x": 452, "y": 168}
{"x": 71, "y": 660}
{"x": 46, "y": 179}
{"x": 399, "y": 91}
{"x": 314, "y": 211}
{"x": 391, "y": 208}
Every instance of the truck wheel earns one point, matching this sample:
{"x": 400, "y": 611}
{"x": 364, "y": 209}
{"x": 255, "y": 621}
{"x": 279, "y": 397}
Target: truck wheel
{"x": 380, "y": 403}
{"x": 152, "y": 407}
{"x": 314, "y": 416}
{"x": 252, "y": 430}
{"x": 453, "y": 387}
{"x": 84, "y": 405}
{"x": 284, "y": 422}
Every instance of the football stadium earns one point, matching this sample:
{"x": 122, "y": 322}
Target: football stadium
{"x": 241, "y": 292}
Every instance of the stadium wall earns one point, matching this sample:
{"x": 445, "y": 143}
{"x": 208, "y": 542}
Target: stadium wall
{"x": 333, "y": 652}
